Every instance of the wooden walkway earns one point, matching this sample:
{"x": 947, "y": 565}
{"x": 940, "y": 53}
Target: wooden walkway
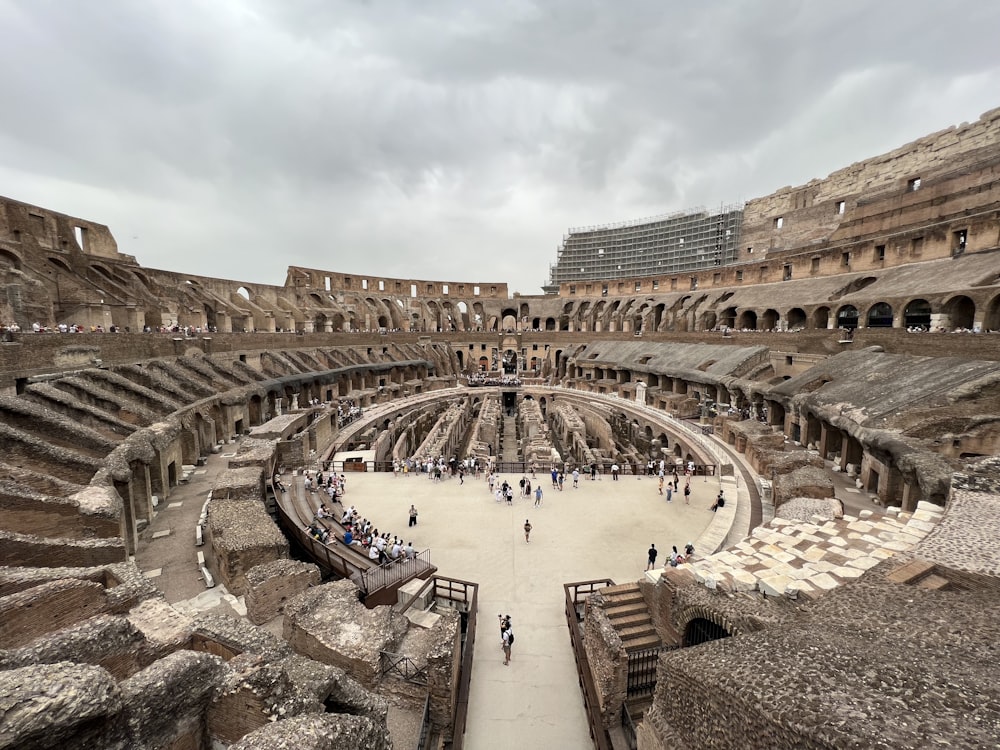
{"x": 379, "y": 582}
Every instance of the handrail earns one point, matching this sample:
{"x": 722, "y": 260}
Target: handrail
{"x": 468, "y": 649}
{"x": 591, "y": 702}
{"x": 393, "y": 571}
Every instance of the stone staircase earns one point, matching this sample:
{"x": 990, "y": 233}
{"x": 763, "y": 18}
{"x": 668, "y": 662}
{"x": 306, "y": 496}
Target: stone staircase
{"x": 628, "y": 613}
{"x": 510, "y": 452}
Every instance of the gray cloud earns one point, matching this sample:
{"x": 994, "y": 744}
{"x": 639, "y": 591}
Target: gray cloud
{"x": 454, "y": 140}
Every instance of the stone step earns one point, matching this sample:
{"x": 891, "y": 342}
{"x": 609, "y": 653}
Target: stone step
{"x": 637, "y": 631}
{"x": 638, "y": 644}
{"x": 912, "y": 572}
{"x": 631, "y": 621}
{"x": 625, "y": 609}
{"x": 638, "y": 705}
{"x": 934, "y": 582}
{"x": 620, "y": 588}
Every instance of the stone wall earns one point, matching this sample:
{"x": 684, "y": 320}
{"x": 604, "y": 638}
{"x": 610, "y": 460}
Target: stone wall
{"x": 271, "y": 584}
{"x": 242, "y": 535}
{"x": 608, "y": 663}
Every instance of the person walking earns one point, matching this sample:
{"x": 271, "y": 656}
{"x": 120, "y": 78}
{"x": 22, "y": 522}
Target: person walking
{"x": 413, "y": 516}
{"x": 538, "y": 496}
{"x": 652, "y": 556}
{"x": 687, "y": 493}
{"x": 527, "y": 531}
{"x": 507, "y": 640}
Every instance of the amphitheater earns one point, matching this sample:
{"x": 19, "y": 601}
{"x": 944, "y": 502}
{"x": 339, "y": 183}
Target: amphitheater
{"x": 834, "y": 375}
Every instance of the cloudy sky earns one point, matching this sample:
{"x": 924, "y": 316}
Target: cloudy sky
{"x": 454, "y": 140}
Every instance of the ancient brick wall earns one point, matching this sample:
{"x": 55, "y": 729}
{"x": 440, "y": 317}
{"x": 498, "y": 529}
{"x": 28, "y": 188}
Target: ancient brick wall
{"x": 271, "y": 584}
{"x": 32, "y": 551}
{"x": 46, "y": 608}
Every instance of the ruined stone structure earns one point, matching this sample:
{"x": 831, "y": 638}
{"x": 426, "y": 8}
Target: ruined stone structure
{"x": 797, "y": 356}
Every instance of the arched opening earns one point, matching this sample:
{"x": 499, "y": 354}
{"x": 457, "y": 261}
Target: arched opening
{"x": 708, "y": 321}
{"x": 961, "y": 311}
{"x": 728, "y": 317}
{"x": 992, "y": 320}
{"x": 821, "y": 317}
{"x": 484, "y": 364}
{"x": 747, "y": 321}
{"x": 10, "y": 259}
{"x": 917, "y": 314}
{"x": 702, "y": 630}
{"x": 550, "y": 324}
{"x": 847, "y": 317}
{"x": 769, "y": 320}
{"x": 244, "y": 293}
{"x": 880, "y": 315}
{"x": 796, "y": 318}
{"x": 509, "y": 319}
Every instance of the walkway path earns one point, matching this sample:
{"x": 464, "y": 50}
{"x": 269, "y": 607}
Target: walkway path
{"x": 602, "y": 529}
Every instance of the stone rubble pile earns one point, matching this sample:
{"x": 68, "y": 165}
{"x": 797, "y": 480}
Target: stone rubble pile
{"x": 791, "y": 558}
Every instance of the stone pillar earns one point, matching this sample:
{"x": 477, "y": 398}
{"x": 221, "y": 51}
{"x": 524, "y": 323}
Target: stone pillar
{"x": 640, "y": 393}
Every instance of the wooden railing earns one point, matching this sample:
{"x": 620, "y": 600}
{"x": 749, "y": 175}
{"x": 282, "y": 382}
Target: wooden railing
{"x": 576, "y": 593}
{"x": 467, "y": 592}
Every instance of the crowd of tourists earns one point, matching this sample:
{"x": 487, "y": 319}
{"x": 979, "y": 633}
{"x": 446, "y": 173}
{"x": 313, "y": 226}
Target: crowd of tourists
{"x": 355, "y": 531}
{"x": 477, "y": 379}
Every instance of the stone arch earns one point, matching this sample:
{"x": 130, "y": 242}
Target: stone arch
{"x": 769, "y": 320}
{"x": 702, "y": 630}
{"x": 879, "y": 315}
{"x": 10, "y": 258}
{"x": 991, "y": 321}
{"x": 796, "y": 318}
{"x": 550, "y": 324}
{"x": 847, "y": 317}
{"x": 961, "y": 311}
{"x": 708, "y": 320}
{"x": 747, "y": 320}
{"x": 728, "y": 317}
{"x": 917, "y": 314}
{"x": 60, "y": 264}
{"x": 244, "y": 293}
{"x": 821, "y": 317}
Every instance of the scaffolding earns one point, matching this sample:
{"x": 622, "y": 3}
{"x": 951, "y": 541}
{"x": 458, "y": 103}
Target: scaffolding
{"x": 661, "y": 245}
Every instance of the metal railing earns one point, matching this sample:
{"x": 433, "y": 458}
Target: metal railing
{"x": 395, "y": 571}
{"x": 575, "y": 594}
{"x": 404, "y": 666}
{"x": 641, "y": 675}
{"x": 628, "y": 728}
{"x": 424, "y": 738}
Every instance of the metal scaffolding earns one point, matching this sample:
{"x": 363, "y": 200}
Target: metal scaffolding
{"x": 661, "y": 245}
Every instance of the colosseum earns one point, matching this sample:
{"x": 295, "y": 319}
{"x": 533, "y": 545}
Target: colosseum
{"x": 824, "y": 358}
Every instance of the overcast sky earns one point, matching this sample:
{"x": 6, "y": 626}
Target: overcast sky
{"x": 454, "y": 140}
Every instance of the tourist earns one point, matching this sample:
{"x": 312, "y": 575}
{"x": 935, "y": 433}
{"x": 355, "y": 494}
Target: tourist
{"x": 413, "y": 516}
{"x": 538, "y": 496}
{"x": 527, "y": 531}
{"x": 614, "y": 472}
{"x": 652, "y": 552}
{"x": 576, "y": 479}
{"x": 720, "y": 502}
{"x": 507, "y": 640}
